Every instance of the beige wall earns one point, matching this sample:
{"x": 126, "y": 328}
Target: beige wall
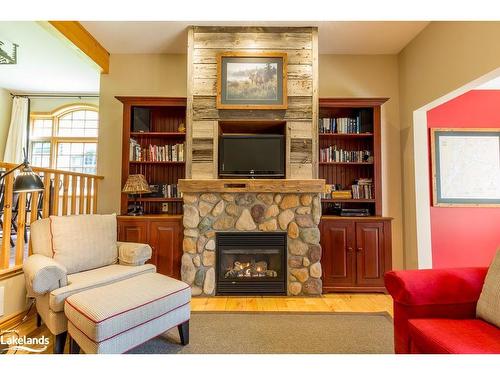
{"x": 373, "y": 76}
{"x": 14, "y": 296}
{"x": 5, "y": 111}
{"x": 442, "y": 58}
{"x": 130, "y": 75}
{"x": 52, "y": 104}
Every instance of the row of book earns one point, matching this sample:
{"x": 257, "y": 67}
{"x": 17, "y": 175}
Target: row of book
{"x": 163, "y": 191}
{"x": 342, "y": 125}
{"x": 363, "y": 189}
{"x": 334, "y": 154}
{"x": 173, "y": 152}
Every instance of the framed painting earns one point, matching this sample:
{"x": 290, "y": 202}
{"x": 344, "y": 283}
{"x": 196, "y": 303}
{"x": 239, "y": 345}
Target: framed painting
{"x": 251, "y": 80}
{"x": 465, "y": 167}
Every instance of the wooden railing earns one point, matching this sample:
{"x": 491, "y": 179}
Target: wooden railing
{"x": 65, "y": 193}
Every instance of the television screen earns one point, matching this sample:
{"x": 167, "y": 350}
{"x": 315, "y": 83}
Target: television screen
{"x": 252, "y": 155}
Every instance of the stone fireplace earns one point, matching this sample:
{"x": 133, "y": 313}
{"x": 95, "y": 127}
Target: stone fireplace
{"x": 296, "y": 214}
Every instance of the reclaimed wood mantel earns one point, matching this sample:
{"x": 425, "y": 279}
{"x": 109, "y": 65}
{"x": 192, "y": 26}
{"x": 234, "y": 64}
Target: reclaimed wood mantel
{"x": 252, "y": 186}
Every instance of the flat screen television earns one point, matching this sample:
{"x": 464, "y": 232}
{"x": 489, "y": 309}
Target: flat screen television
{"x": 254, "y": 156}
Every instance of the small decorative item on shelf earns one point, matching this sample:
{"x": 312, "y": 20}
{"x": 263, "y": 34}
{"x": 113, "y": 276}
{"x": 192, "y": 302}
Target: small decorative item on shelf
{"x": 136, "y": 184}
{"x": 181, "y": 128}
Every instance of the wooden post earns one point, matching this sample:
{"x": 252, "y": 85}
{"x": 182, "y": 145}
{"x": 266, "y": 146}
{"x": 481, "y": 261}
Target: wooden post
{"x": 96, "y": 190}
{"x": 7, "y": 218}
{"x": 81, "y": 202}
{"x": 33, "y": 215}
{"x": 46, "y": 195}
{"x": 74, "y": 182}
{"x": 89, "y": 195}
{"x": 21, "y": 224}
{"x": 55, "y": 199}
{"x": 65, "y": 195}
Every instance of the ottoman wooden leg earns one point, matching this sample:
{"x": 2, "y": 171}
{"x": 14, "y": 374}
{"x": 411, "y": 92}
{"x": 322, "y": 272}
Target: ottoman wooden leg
{"x": 184, "y": 332}
{"x": 60, "y": 343}
{"x": 74, "y": 348}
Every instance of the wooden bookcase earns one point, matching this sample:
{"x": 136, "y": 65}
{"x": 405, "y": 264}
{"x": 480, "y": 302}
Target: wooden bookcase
{"x": 368, "y": 138}
{"x": 166, "y": 116}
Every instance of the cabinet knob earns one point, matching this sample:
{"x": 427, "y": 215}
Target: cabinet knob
{"x": 359, "y": 249}
{"x": 350, "y": 249}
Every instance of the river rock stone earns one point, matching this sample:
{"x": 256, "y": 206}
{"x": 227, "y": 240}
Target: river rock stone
{"x": 209, "y": 285}
{"x": 205, "y": 224}
{"x": 227, "y": 197}
{"x": 188, "y": 245}
{"x": 306, "y": 262}
{"x": 209, "y": 197}
{"x": 314, "y": 253}
{"x": 190, "y": 198}
{"x": 316, "y": 210}
{"x": 278, "y": 198}
{"x": 210, "y": 245}
{"x": 188, "y": 270}
{"x": 293, "y": 230}
{"x": 300, "y": 273}
{"x": 208, "y": 258}
{"x": 232, "y": 209}
{"x": 210, "y": 234}
{"x": 295, "y": 262}
{"x": 191, "y": 232}
{"x": 267, "y": 198}
{"x": 199, "y": 277}
{"x": 304, "y": 221}
{"x": 224, "y": 223}
{"x": 245, "y": 221}
{"x": 269, "y": 226}
{"x": 312, "y": 286}
{"x": 295, "y": 288}
{"x": 197, "y": 261}
{"x": 272, "y": 211}
{"x": 284, "y": 218}
{"x": 315, "y": 270}
{"x": 303, "y": 211}
{"x": 196, "y": 290}
{"x": 310, "y": 235}
{"x": 200, "y": 244}
{"x": 218, "y": 209}
{"x": 292, "y": 278}
{"x": 204, "y": 208}
{"x": 289, "y": 201}
{"x": 305, "y": 199}
{"x": 297, "y": 247}
{"x": 257, "y": 212}
{"x": 244, "y": 199}
{"x": 191, "y": 217}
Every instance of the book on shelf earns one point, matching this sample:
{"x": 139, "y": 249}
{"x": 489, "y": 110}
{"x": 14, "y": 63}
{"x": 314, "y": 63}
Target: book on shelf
{"x": 156, "y": 153}
{"x": 339, "y": 125}
{"x": 163, "y": 191}
{"x": 333, "y": 154}
{"x": 363, "y": 189}
{"x": 342, "y": 194}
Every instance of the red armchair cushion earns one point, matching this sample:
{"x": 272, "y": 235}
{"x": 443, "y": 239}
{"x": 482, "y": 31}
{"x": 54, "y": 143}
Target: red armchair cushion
{"x": 447, "y": 336}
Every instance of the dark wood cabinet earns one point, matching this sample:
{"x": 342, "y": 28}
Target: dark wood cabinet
{"x": 356, "y": 253}
{"x": 163, "y": 233}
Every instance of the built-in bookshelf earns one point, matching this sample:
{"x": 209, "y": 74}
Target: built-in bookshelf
{"x": 350, "y": 153}
{"x": 156, "y": 149}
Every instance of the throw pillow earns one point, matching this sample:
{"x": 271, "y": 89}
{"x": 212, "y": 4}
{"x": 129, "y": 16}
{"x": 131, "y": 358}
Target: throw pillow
{"x": 488, "y": 306}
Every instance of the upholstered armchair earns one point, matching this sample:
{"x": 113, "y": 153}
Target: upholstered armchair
{"x": 76, "y": 253}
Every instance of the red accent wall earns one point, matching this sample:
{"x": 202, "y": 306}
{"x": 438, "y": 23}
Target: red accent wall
{"x": 463, "y": 236}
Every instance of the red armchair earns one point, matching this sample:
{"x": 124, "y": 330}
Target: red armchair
{"x": 435, "y": 312}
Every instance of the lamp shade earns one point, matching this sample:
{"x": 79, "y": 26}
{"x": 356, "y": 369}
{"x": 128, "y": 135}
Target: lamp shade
{"x": 136, "y": 184}
{"x": 27, "y": 181}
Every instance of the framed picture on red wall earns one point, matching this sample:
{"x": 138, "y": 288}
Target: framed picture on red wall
{"x": 465, "y": 167}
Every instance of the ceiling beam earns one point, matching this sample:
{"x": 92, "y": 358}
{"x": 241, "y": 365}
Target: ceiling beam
{"x": 84, "y": 41}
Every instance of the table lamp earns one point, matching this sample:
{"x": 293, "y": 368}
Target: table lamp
{"x": 136, "y": 184}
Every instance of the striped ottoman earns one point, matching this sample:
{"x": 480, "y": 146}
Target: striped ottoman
{"x": 118, "y": 317}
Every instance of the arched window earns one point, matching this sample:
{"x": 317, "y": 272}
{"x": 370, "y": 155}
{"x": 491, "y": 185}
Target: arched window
{"x": 65, "y": 139}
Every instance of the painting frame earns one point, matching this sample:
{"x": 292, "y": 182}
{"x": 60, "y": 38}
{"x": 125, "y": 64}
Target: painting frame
{"x": 440, "y": 200}
{"x": 223, "y": 58}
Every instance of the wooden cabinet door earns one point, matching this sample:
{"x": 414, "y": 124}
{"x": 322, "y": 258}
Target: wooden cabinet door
{"x": 166, "y": 243}
{"x": 370, "y": 254}
{"x": 133, "y": 231}
{"x": 337, "y": 259}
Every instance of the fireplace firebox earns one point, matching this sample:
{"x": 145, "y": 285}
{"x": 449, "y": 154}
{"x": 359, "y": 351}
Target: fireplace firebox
{"x": 251, "y": 263}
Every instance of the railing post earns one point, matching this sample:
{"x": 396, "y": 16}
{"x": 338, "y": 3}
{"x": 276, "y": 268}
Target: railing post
{"x": 65, "y": 195}
{"x": 81, "y": 202}
{"x": 74, "y": 180}
{"x": 21, "y": 226}
{"x": 7, "y": 222}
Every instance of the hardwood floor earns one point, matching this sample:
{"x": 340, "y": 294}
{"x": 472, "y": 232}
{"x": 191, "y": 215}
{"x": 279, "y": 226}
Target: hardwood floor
{"x": 374, "y": 302}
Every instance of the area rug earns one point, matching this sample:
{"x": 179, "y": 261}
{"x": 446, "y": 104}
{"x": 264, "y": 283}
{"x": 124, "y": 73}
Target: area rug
{"x": 278, "y": 332}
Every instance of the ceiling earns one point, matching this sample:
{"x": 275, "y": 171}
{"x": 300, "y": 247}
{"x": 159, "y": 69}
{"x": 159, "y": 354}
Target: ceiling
{"x": 342, "y": 37}
{"x": 45, "y": 62}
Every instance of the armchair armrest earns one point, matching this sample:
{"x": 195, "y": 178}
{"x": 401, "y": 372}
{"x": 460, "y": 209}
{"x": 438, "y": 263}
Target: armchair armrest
{"x": 43, "y": 275}
{"x": 436, "y": 286}
{"x": 437, "y": 293}
{"x": 133, "y": 254}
